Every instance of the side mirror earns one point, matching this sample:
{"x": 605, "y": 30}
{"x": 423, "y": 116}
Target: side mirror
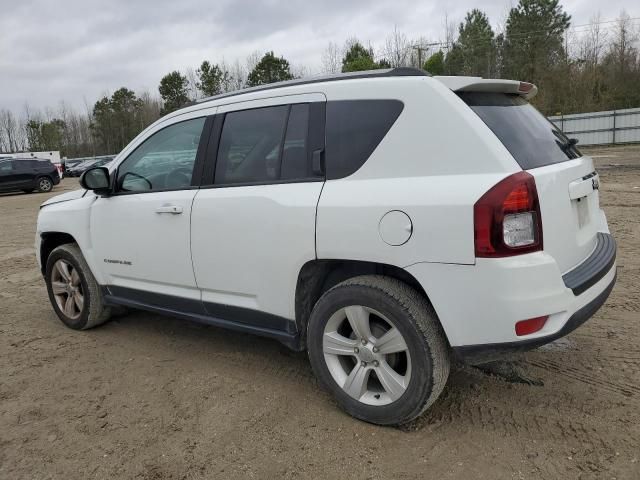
{"x": 96, "y": 179}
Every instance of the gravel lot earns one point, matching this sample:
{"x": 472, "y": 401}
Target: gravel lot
{"x": 152, "y": 397}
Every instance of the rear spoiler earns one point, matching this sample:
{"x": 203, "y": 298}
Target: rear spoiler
{"x": 478, "y": 84}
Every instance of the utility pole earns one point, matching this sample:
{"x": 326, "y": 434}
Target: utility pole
{"x": 423, "y": 48}
{"x": 420, "y": 49}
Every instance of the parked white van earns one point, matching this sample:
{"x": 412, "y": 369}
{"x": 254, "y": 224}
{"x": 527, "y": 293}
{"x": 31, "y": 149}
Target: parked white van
{"x": 387, "y": 222}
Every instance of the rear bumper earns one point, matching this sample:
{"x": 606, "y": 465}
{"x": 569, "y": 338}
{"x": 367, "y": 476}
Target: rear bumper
{"x": 479, "y": 305}
{"x": 596, "y": 266}
{"x": 475, "y": 354}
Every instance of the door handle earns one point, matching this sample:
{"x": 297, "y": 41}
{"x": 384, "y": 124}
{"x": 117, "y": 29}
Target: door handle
{"x": 174, "y": 209}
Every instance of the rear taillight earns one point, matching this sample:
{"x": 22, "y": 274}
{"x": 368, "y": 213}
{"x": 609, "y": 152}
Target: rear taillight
{"x": 507, "y": 218}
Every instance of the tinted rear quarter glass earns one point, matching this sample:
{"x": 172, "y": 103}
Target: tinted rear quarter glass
{"x": 354, "y": 128}
{"x": 532, "y": 140}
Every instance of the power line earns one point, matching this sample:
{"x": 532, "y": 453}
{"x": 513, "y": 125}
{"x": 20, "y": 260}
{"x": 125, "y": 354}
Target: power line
{"x": 527, "y": 34}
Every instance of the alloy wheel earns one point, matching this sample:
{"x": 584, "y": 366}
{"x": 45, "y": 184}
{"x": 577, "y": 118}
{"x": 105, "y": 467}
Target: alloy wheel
{"x": 366, "y": 355}
{"x": 67, "y": 289}
{"x": 44, "y": 184}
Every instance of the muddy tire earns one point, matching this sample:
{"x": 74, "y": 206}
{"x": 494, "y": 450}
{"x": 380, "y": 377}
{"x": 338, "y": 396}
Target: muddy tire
{"x": 73, "y": 291}
{"x": 376, "y": 344}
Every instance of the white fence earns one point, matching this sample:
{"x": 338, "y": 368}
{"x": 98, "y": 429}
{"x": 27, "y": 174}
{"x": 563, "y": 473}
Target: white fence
{"x": 600, "y": 128}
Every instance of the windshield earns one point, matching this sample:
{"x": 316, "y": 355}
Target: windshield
{"x": 532, "y": 139}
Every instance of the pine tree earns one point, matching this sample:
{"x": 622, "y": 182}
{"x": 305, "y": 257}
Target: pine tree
{"x": 269, "y": 69}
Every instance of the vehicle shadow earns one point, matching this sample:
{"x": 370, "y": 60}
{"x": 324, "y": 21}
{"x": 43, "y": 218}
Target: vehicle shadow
{"x": 236, "y": 349}
{"x": 16, "y": 193}
{"x": 245, "y": 356}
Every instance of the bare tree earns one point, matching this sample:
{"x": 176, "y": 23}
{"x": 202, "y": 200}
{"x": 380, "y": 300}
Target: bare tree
{"x": 593, "y": 42}
{"x": 253, "y": 59}
{"x": 299, "y": 71}
{"x": 237, "y": 76}
{"x": 331, "y": 59}
{"x": 623, "y": 45}
{"x": 150, "y": 110}
{"x": 397, "y": 48}
{"x": 450, "y": 34}
{"x": 192, "y": 84}
{"x": 9, "y": 131}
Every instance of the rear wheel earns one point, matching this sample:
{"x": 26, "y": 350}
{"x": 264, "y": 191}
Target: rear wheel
{"x": 377, "y": 345}
{"x": 45, "y": 184}
{"x": 74, "y": 293}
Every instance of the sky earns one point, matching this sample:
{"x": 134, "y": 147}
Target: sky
{"x": 77, "y": 50}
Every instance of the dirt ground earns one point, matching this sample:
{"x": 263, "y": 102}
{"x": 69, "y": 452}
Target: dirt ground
{"x": 150, "y": 397}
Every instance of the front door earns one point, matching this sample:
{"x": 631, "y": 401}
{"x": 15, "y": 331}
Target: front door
{"x": 141, "y": 233}
{"x": 7, "y": 175}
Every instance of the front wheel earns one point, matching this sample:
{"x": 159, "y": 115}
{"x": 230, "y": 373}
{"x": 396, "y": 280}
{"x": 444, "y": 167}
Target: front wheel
{"x": 377, "y": 345}
{"x": 74, "y": 293}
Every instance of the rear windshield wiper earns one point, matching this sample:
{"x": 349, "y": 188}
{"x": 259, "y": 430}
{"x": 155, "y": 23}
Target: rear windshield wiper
{"x": 568, "y": 145}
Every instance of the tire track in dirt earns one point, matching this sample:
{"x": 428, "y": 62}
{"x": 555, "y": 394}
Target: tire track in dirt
{"x": 23, "y": 252}
{"x": 619, "y": 387}
{"x": 273, "y": 365}
{"x": 531, "y": 420}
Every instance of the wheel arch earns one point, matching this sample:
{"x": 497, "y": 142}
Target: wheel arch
{"x": 318, "y": 276}
{"x": 50, "y": 241}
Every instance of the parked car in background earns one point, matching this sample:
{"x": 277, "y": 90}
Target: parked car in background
{"x": 386, "y": 222}
{"x": 76, "y": 170}
{"x": 27, "y": 175}
{"x": 71, "y": 163}
{"x": 80, "y": 168}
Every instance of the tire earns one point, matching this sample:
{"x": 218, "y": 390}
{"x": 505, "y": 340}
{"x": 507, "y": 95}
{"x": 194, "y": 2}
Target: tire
{"x": 89, "y": 313}
{"x": 387, "y": 303}
{"x": 45, "y": 184}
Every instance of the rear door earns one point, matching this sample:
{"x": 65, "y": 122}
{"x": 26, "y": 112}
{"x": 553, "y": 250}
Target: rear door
{"x": 566, "y": 181}
{"x": 253, "y": 222}
{"x": 24, "y": 173}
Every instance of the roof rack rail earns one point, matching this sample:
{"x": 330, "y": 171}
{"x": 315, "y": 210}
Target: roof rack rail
{"x": 387, "y": 72}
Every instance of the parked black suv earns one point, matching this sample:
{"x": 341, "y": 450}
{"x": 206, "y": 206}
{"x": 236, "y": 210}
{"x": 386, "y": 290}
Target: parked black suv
{"x": 27, "y": 175}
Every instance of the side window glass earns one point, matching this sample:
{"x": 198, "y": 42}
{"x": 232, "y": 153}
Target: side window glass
{"x": 295, "y": 158}
{"x": 6, "y": 166}
{"x": 250, "y": 145}
{"x": 164, "y": 161}
{"x": 354, "y": 128}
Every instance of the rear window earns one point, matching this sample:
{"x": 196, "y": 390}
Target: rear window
{"x": 354, "y": 128}
{"x": 532, "y": 140}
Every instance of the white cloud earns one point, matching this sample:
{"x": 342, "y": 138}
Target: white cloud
{"x": 79, "y": 49}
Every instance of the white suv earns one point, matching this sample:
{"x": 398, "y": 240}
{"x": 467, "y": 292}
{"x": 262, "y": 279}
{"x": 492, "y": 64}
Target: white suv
{"x": 387, "y": 222}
